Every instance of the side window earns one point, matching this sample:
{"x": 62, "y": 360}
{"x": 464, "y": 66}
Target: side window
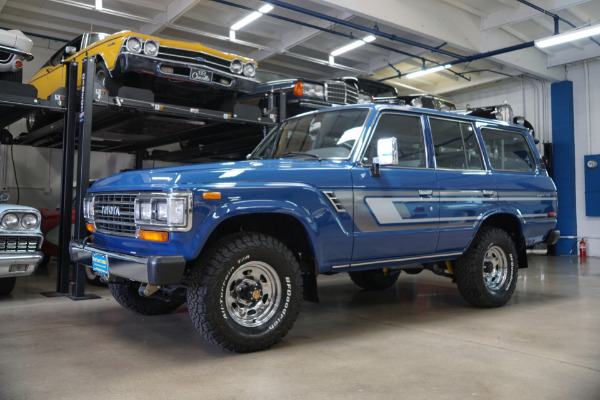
{"x": 508, "y": 150}
{"x": 409, "y": 135}
{"x": 455, "y": 145}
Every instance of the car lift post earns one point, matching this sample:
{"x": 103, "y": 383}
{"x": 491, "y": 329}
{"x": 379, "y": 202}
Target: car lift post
{"x": 83, "y": 169}
{"x": 66, "y": 205}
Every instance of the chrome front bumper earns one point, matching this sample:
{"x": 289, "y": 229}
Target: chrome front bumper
{"x": 155, "y": 270}
{"x": 19, "y": 264}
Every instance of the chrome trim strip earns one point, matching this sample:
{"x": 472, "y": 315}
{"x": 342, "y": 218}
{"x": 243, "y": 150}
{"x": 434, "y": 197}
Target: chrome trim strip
{"x": 397, "y": 260}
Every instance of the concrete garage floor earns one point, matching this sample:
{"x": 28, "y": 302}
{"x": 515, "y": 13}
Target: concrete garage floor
{"x": 417, "y": 340}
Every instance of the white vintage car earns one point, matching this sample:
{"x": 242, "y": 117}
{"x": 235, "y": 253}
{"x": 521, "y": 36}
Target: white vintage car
{"x": 14, "y": 48}
{"x": 20, "y": 243}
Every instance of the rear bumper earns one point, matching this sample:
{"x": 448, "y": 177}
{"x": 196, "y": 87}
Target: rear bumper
{"x": 16, "y": 264}
{"x": 155, "y": 270}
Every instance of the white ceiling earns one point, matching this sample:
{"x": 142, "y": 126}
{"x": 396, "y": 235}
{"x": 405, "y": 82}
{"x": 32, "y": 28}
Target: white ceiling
{"x": 289, "y": 41}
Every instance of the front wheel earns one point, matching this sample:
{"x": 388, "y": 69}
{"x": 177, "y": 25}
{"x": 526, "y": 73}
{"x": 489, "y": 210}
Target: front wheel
{"x": 104, "y": 77}
{"x": 7, "y": 285}
{"x": 244, "y": 293}
{"x": 486, "y": 275}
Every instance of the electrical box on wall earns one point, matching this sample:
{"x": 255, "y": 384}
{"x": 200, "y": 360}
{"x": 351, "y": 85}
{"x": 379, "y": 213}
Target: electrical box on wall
{"x": 592, "y": 185}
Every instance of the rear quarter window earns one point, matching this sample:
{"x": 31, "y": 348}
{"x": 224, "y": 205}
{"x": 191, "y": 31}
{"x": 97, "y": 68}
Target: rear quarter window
{"x": 508, "y": 150}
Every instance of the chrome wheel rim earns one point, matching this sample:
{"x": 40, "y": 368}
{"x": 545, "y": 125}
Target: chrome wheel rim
{"x": 253, "y": 294}
{"x": 495, "y": 268}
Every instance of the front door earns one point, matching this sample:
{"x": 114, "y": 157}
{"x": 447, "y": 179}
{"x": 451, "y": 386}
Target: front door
{"x": 396, "y": 213}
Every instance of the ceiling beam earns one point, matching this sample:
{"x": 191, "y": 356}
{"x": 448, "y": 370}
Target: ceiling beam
{"x": 174, "y": 11}
{"x": 509, "y": 16}
{"x": 440, "y": 21}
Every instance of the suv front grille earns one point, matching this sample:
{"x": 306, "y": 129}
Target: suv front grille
{"x": 340, "y": 93}
{"x": 114, "y": 214}
{"x": 18, "y": 244}
{"x": 194, "y": 57}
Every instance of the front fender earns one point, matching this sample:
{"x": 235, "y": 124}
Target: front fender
{"x": 324, "y": 227}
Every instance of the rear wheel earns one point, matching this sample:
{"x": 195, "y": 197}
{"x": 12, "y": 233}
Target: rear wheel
{"x": 127, "y": 295}
{"x": 375, "y": 279}
{"x": 486, "y": 275}
{"x": 7, "y": 285}
{"x": 245, "y": 292}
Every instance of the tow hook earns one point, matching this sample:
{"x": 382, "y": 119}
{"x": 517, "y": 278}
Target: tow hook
{"x": 148, "y": 290}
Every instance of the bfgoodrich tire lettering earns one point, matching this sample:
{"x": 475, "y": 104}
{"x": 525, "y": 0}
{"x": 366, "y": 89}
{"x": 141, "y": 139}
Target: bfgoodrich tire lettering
{"x": 486, "y": 274}
{"x": 244, "y": 293}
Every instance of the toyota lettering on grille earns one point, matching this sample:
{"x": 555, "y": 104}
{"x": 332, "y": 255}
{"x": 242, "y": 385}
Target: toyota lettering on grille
{"x": 111, "y": 210}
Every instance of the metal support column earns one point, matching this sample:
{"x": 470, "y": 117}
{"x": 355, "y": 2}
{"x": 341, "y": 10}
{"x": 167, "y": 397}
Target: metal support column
{"x": 66, "y": 193}
{"x": 83, "y": 169}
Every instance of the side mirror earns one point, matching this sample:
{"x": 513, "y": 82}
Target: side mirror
{"x": 387, "y": 154}
{"x": 70, "y": 50}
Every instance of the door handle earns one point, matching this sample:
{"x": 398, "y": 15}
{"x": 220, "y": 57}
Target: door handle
{"x": 425, "y": 192}
{"x": 488, "y": 193}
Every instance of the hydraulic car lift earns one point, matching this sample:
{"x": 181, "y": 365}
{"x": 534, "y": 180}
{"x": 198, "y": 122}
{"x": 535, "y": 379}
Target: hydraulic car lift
{"x": 131, "y": 123}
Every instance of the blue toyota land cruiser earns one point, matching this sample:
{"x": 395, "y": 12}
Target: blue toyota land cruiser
{"x": 366, "y": 189}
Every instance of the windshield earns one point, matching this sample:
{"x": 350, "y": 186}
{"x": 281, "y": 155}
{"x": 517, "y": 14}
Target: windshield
{"x": 330, "y": 134}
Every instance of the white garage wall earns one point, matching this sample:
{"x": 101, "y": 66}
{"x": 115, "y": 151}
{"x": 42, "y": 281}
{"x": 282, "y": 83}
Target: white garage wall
{"x": 586, "y": 86}
{"x": 528, "y": 97}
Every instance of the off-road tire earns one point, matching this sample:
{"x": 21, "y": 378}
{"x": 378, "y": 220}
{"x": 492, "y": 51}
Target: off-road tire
{"x": 375, "y": 279}
{"x": 486, "y": 275}
{"x": 244, "y": 292}
{"x": 127, "y": 295}
{"x": 7, "y": 285}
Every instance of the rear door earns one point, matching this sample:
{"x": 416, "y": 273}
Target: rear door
{"x": 522, "y": 189}
{"x": 467, "y": 191}
{"x": 395, "y": 214}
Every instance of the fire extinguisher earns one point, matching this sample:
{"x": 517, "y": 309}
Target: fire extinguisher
{"x": 582, "y": 248}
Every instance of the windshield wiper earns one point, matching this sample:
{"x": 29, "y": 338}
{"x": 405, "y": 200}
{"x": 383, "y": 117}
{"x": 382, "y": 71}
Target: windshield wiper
{"x": 300, "y": 153}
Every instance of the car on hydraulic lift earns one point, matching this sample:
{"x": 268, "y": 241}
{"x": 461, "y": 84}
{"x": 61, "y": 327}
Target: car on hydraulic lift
{"x": 177, "y": 72}
{"x": 14, "y": 48}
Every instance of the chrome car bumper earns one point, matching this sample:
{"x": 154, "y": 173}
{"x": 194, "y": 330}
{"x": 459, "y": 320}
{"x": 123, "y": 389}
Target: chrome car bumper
{"x": 19, "y": 264}
{"x": 155, "y": 270}
{"x": 156, "y": 66}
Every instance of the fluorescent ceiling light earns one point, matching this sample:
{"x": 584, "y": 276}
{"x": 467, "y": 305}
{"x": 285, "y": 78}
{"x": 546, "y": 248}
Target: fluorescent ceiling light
{"x": 568, "y": 36}
{"x": 252, "y": 17}
{"x": 353, "y": 45}
{"x": 427, "y": 71}
{"x": 99, "y": 5}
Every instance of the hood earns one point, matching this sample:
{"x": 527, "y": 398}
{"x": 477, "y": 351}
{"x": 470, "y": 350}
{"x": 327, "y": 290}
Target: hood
{"x": 325, "y": 173}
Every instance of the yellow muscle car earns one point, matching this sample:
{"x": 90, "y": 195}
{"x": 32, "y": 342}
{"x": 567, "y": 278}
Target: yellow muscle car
{"x": 177, "y": 72}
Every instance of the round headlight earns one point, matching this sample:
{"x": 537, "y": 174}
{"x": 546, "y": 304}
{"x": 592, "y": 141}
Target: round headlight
{"x": 237, "y": 66}
{"x": 249, "y": 69}
{"x": 30, "y": 221}
{"x": 151, "y": 47}
{"x": 9, "y": 221}
{"x": 134, "y": 44}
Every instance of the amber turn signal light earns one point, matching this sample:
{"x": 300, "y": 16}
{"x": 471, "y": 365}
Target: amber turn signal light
{"x": 211, "y": 196}
{"x": 154, "y": 236}
{"x": 90, "y": 227}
